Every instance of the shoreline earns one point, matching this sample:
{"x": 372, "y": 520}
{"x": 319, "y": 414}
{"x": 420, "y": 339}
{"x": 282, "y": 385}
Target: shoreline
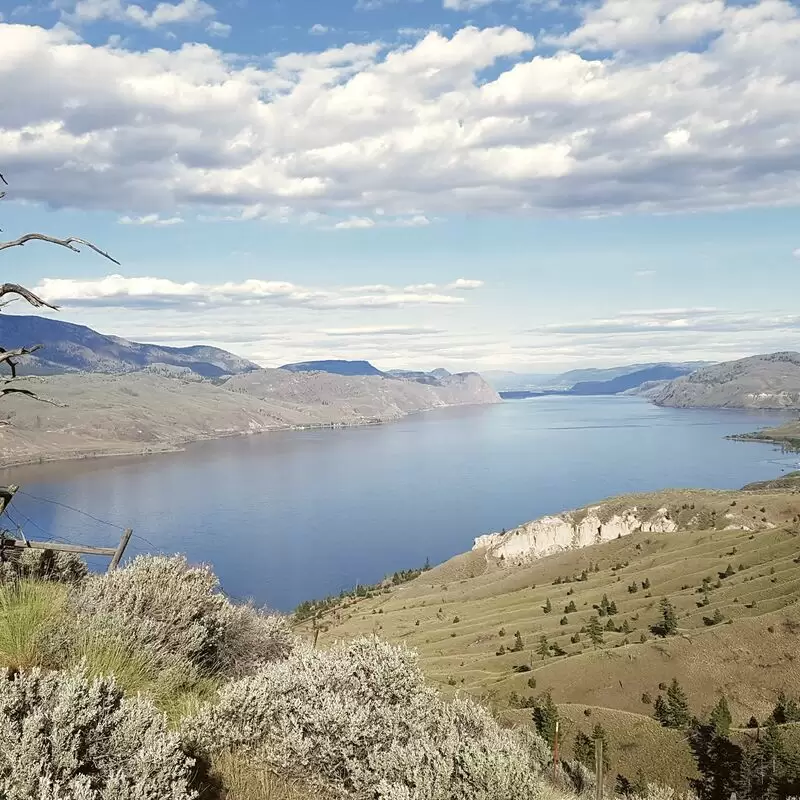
{"x": 181, "y": 445}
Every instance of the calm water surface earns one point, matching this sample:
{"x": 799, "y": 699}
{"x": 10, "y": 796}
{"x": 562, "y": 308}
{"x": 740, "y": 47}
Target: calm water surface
{"x": 288, "y": 516}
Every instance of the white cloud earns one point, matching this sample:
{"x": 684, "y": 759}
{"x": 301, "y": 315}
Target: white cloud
{"x": 415, "y": 221}
{"x": 118, "y": 291}
{"x": 217, "y": 28}
{"x": 150, "y": 219}
{"x": 644, "y": 273}
{"x": 185, "y": 11}
{"x": 464, "y": 284}
{"x": 419, "y": 131}
{"x": 318, "y": 30}
{"x": 466, "y": 5}
{"x": 796, "y": 253}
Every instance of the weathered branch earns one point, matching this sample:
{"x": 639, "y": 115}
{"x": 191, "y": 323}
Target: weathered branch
{"x": 32, "y": 395}
{"x": 27, "y": 294}
{"x": 8, "y": 355}
{"x": 69, "y": 243}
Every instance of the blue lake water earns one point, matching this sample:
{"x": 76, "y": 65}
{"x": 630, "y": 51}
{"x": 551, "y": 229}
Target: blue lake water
{"x": 288, "y": 516}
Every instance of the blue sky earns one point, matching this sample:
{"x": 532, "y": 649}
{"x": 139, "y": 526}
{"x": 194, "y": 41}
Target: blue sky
{"x": 487, "y": 184}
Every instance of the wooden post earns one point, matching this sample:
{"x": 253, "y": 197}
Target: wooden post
{"x": 555, "y": 754}
{"x": 123, "y": 543}
{"x": 598, "y": 767}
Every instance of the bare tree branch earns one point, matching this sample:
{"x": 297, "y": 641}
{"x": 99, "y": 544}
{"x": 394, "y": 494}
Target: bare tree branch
{"x": 27, "y": 294}
{"x": 69, "y": 243}
{"x": 9, "y": 355}
{"x": 29, "y": 393}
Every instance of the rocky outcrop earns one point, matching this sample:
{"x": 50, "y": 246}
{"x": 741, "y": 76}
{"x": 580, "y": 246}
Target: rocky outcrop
{"x": 570, "y": 531}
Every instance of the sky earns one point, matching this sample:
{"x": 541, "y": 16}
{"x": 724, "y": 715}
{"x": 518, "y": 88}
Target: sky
{"x": 528, "y": 185}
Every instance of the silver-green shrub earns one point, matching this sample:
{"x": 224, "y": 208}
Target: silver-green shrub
{"x": 66, "y": 737}
{"x": 359, "y": 718}
{"x": 44, "y": 565}
{"x": 167, "y": 606}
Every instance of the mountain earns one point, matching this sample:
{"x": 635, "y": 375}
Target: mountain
{"x": 334, "y": 367}
{"x": 76, "y": 348}
{"x": 630, "y": 380}
{"x": 765, "y": 381}
{"x": 162, "y": 408}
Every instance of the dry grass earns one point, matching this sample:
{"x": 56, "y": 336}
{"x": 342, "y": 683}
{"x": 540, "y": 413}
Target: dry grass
{"x": 750, "y": 658}
{"x": 243, "y": 781}
{"x": 31, "y": 614}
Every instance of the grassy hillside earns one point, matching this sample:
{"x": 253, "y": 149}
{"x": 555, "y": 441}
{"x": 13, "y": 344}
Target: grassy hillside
{"x": 463, "y": 616}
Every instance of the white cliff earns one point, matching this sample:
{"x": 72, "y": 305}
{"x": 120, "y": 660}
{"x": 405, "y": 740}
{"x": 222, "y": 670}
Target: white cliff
{"x": 570, "y": 531}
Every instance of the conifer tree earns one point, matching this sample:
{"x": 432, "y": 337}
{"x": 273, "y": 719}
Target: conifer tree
{"x": 548, "y": 606}
{"x": 583, "y": 750}
{"x": 544, "y": 648}
{"x": 678, "y": 705}
{"x": 720, "y": 718}
{"x": 518, "y": 643}
{"x": 595, "y": 631}
{"x": 669, "y": 619}
{"x": 545, "y": 717}
{"x": 599, "y": 733}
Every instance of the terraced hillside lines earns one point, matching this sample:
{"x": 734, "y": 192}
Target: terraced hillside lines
{"x": 464, "y": 627}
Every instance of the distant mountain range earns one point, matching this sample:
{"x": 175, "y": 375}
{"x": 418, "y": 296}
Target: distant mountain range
{"x": 76, "y": 348}
{"x": 619, "y": 380}
{"x": 504, "y": 381}
{"x": 350, "y": 368}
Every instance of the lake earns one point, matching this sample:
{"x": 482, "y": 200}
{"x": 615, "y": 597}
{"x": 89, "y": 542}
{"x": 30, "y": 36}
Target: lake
{"x": 284, "y": 517}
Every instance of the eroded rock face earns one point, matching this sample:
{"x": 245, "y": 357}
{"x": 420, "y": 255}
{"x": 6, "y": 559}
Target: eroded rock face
{"x": 569, "y": 531}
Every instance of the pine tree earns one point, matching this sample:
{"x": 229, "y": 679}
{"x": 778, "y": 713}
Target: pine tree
{"x": 669, "y": 619}
{"x": 544, "y": 648}
{"x": 548, "y": 606}
{"x": 720, "y": 718}
{"x": 571, "y": 608}
{"x": 599, "y": 733}
{"x": 564, "y": 621}
{"x": 612, "y": 608}
{"x": 583, "y": 749}
{"x": 626, "y": 626}
{"x": 545, "y": 717}
{"x": 633, "y": 588}
{"x": 678, "y": 705}
{"x": 518, "y": 643}
{"x": 661, "y": 711}
{"x": 595, "y": 631}
{"x": 646, "y": 583}
{"x": 610, "y": 626}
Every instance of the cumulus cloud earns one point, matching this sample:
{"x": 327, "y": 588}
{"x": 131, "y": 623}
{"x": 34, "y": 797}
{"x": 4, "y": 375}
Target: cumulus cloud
{"x": 416, "y": 221}
{"x": 217, "y": 28}
{"x": 118, "y": 291}
{"x": 796, "y": 253}
{"x": 474, "y": 122}
{"x": 318, "y": 30}
{"x": 466, "y": 5}
{"x": 185, "y": 11}
{"x": 464, "y": 284}
{"x": 150, "y": 219}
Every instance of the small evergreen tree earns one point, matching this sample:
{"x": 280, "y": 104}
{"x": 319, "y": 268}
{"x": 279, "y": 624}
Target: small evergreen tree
{"x": 599, "y": 734}
{"x": 612, "y": 608}
{"x": 547, "y": 607}
{"x": 646, "y": 583}
{"x": 720, "y": 718}
{"x": 595, "y": 631}
{"x": 544, "y": 648}
{"x": 633, "y": 588}
{"x": 518, "y": 643}
{"x": 678, "y": 705}
{"x": 571, "y": 608}
{"x": 563, "y": 621}
{"x": 583, "y": 749}
{"x": 545, "y": 717}
{"x": 669, "y": 619}
{"x": 626, "y": 626}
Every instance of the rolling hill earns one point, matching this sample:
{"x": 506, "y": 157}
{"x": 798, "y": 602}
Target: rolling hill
{"x": 734, "y": 583}
{"x": 769, "y": 381}
{"x": 76, "y": 348}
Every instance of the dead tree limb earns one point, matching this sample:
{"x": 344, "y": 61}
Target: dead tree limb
{"x": 69, "y": 243}
{"x": 8, "y": 356}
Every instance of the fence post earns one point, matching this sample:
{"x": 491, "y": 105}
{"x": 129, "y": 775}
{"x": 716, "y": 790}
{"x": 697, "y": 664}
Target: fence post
{"x": 555, "y": 753}
{"x": 598, "y": 767}
{"x": 123, "y": 543}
